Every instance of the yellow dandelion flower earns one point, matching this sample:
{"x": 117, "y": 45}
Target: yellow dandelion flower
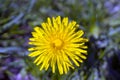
{"x": 58, "y": 44}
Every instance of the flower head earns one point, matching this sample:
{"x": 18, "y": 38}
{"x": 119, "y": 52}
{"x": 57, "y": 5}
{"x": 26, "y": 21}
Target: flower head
{"x": 58, "y": 44}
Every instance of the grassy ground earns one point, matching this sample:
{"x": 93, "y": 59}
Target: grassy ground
{"x": 100, "y": 19}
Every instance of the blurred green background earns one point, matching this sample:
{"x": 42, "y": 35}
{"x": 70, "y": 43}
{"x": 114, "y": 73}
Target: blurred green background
{"x": 100, "y": 19}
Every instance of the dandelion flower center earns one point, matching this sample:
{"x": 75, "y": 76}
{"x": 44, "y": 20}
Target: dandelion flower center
{"x": 57, "y": 44}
